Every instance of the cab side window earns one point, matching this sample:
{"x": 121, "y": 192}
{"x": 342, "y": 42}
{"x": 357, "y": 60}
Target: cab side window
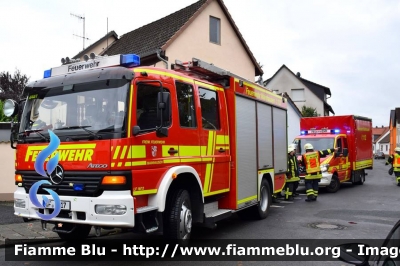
{"x": 187, "y": 113}
{"x": 146, "y": 102}
{"x": 209, "y": 109}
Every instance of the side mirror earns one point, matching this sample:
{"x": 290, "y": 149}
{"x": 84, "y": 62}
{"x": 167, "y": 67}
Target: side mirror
{"x": 163, "y": 106}
{"x": 349, "y": 254}
{"x": 135, "y": 130}
{"x": 10, "y": 108}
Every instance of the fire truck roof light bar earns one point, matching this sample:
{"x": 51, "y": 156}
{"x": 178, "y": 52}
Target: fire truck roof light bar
{"x": 75, "y": 65}
{"x": 320, "y": 131}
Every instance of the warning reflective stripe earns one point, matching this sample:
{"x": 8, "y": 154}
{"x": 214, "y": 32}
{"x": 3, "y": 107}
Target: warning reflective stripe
{"x": 116, "y": 152}
{"x": 137, "y": 151}
{"x": 129, "y": 112}
{"x": 220, "y": 139}
{"x": 209, "y": 165}
{"x": 144, "y": 192}
{"x": 189, "y": 151}
{"x": 158, "y": 72}
{"x": 123, "y": 152}
{"x": 172, "y": 161}
{"x": 191, "y": 160}
{"x": 247, "y": 199}
{"x": 213, "y": 161}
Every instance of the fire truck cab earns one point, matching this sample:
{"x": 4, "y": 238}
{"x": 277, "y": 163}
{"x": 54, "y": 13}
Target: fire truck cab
{"x": 145, "y": 148}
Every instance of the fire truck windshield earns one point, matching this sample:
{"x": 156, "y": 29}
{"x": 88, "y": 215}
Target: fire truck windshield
{"x": 317, "y": 143}
{"x": 99, "y": 106}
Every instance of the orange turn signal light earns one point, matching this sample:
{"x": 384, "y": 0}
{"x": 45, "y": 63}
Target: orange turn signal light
{"x": 18, "y": 178}
{"x": 114, "y": 180}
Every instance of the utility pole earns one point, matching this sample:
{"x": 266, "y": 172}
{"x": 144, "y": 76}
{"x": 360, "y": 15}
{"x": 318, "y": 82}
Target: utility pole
{"x": 83, "y": 37}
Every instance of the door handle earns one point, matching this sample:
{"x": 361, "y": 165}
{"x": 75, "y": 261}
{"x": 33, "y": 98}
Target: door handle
{"x": 172, "y": 151}
{"x": 221, "y": 150}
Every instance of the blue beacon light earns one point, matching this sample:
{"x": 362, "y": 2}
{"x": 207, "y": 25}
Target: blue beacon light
{"x": 47, "y": 74}
{"x": 130, "y": 60}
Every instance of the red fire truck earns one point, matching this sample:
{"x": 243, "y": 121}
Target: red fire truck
{"x": 151, "y": 149}
{"x": 351, "y": 134}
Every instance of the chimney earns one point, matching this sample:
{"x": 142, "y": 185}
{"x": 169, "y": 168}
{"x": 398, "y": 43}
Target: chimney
{"x": 382, "y": 126}
{"x": 298, "y": 74}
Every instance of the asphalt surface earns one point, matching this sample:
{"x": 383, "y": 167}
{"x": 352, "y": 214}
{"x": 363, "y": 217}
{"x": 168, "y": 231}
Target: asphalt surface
{"x": 354, "y": 213}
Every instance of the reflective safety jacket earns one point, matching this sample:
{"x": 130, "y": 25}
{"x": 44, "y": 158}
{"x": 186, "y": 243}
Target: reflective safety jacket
{"x": 293, "y": 170}
{"x": 312, "y": 165}
{"x": 395, "y": 161}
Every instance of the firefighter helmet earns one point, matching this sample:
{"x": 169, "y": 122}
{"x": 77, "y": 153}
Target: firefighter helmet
{"x": 308, "y": 146}
{"x": 291, "y": 148}
{"x": 397, "y": 149}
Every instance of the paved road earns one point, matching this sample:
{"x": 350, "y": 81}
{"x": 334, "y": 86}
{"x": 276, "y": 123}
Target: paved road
{"x": 354, "y": 212}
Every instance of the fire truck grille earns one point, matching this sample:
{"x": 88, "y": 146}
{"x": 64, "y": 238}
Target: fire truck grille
{"x": 88, "y": 185}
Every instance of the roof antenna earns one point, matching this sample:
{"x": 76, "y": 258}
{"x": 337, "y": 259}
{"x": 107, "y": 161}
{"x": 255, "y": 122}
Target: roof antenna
{"x": 83, "y": 37}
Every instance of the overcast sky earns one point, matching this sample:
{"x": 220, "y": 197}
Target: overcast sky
{"x": 351, "y": 47}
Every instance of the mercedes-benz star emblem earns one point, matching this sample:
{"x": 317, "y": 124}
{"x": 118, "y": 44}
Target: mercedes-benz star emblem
{"x": 57, "y": 176}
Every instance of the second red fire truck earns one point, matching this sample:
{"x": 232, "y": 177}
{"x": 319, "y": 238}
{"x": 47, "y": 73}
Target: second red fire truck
{"x": 351, "y": 134}
{"x": 147, "y": 148}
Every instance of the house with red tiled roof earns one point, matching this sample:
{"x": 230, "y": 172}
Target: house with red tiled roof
{"x": 303, "y": 92}
{"x": 377, "y": 133}
{"x": 383, "y": 141}
{"x": 203, "y": 30}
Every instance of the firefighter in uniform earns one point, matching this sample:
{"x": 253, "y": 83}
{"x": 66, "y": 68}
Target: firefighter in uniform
{"x": 394, "y": 159}
{"x": 310, "y": 160}
{"x": 292, "y": 175}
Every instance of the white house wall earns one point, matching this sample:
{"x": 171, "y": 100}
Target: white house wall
{"x": 194, "y": 41}
{"x": 293, "y": 123}
{"x": 285, "y": 81}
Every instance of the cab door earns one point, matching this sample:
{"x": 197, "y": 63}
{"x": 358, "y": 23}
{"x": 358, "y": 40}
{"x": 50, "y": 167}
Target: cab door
{"x": 342, "y": 161}
{"x": 214, "y": 138}
{"x": 189, "y": 149}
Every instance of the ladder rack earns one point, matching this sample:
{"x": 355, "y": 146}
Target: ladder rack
{"x": 204, "y": 70}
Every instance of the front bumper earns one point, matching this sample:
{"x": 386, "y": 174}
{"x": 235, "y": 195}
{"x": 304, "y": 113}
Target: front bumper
{"x": 325, "y": 180}
{"x": 82, "y": 209}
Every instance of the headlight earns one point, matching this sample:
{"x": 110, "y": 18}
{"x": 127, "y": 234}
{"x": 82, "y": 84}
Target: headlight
{"x": 324, "y": 167}
{"x": 19, "y": 203}
{"x": 110, "y": 209}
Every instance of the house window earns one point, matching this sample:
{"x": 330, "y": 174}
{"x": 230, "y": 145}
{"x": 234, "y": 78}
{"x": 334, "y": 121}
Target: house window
{"x": 386, "y": 147}
{"x": 381, "y": 147}
{"x": 298, "y": 95}
{"x": 215, "y": 30}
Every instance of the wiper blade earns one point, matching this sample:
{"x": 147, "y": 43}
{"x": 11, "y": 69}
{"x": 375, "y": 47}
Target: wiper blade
{"x": 37, "y": 132}
{"x": 81, "y": 127}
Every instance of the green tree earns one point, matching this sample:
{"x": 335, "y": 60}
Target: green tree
{"x": 309, "y": 111}
{"x": 12, "y": 86}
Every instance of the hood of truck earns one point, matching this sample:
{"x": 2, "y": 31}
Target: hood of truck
{"x": 82, "y": 155}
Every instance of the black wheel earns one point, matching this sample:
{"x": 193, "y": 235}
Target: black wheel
{"x": 361, "y": 176}
{"x": 81, "y": 231}
{"x": 178, "y": 216}
{"x": 334, "y": 185}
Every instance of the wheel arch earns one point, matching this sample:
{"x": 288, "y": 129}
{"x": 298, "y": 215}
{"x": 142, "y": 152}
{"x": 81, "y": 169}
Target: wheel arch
{"x": 177, "y": 177}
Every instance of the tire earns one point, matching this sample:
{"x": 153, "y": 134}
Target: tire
{"x": 81, "y": 232}
{"x": 178, "y": 216}
{"x": 261, "y": 210}
{"x": 361, "y": 175}
{"x": 334, "y": 185}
